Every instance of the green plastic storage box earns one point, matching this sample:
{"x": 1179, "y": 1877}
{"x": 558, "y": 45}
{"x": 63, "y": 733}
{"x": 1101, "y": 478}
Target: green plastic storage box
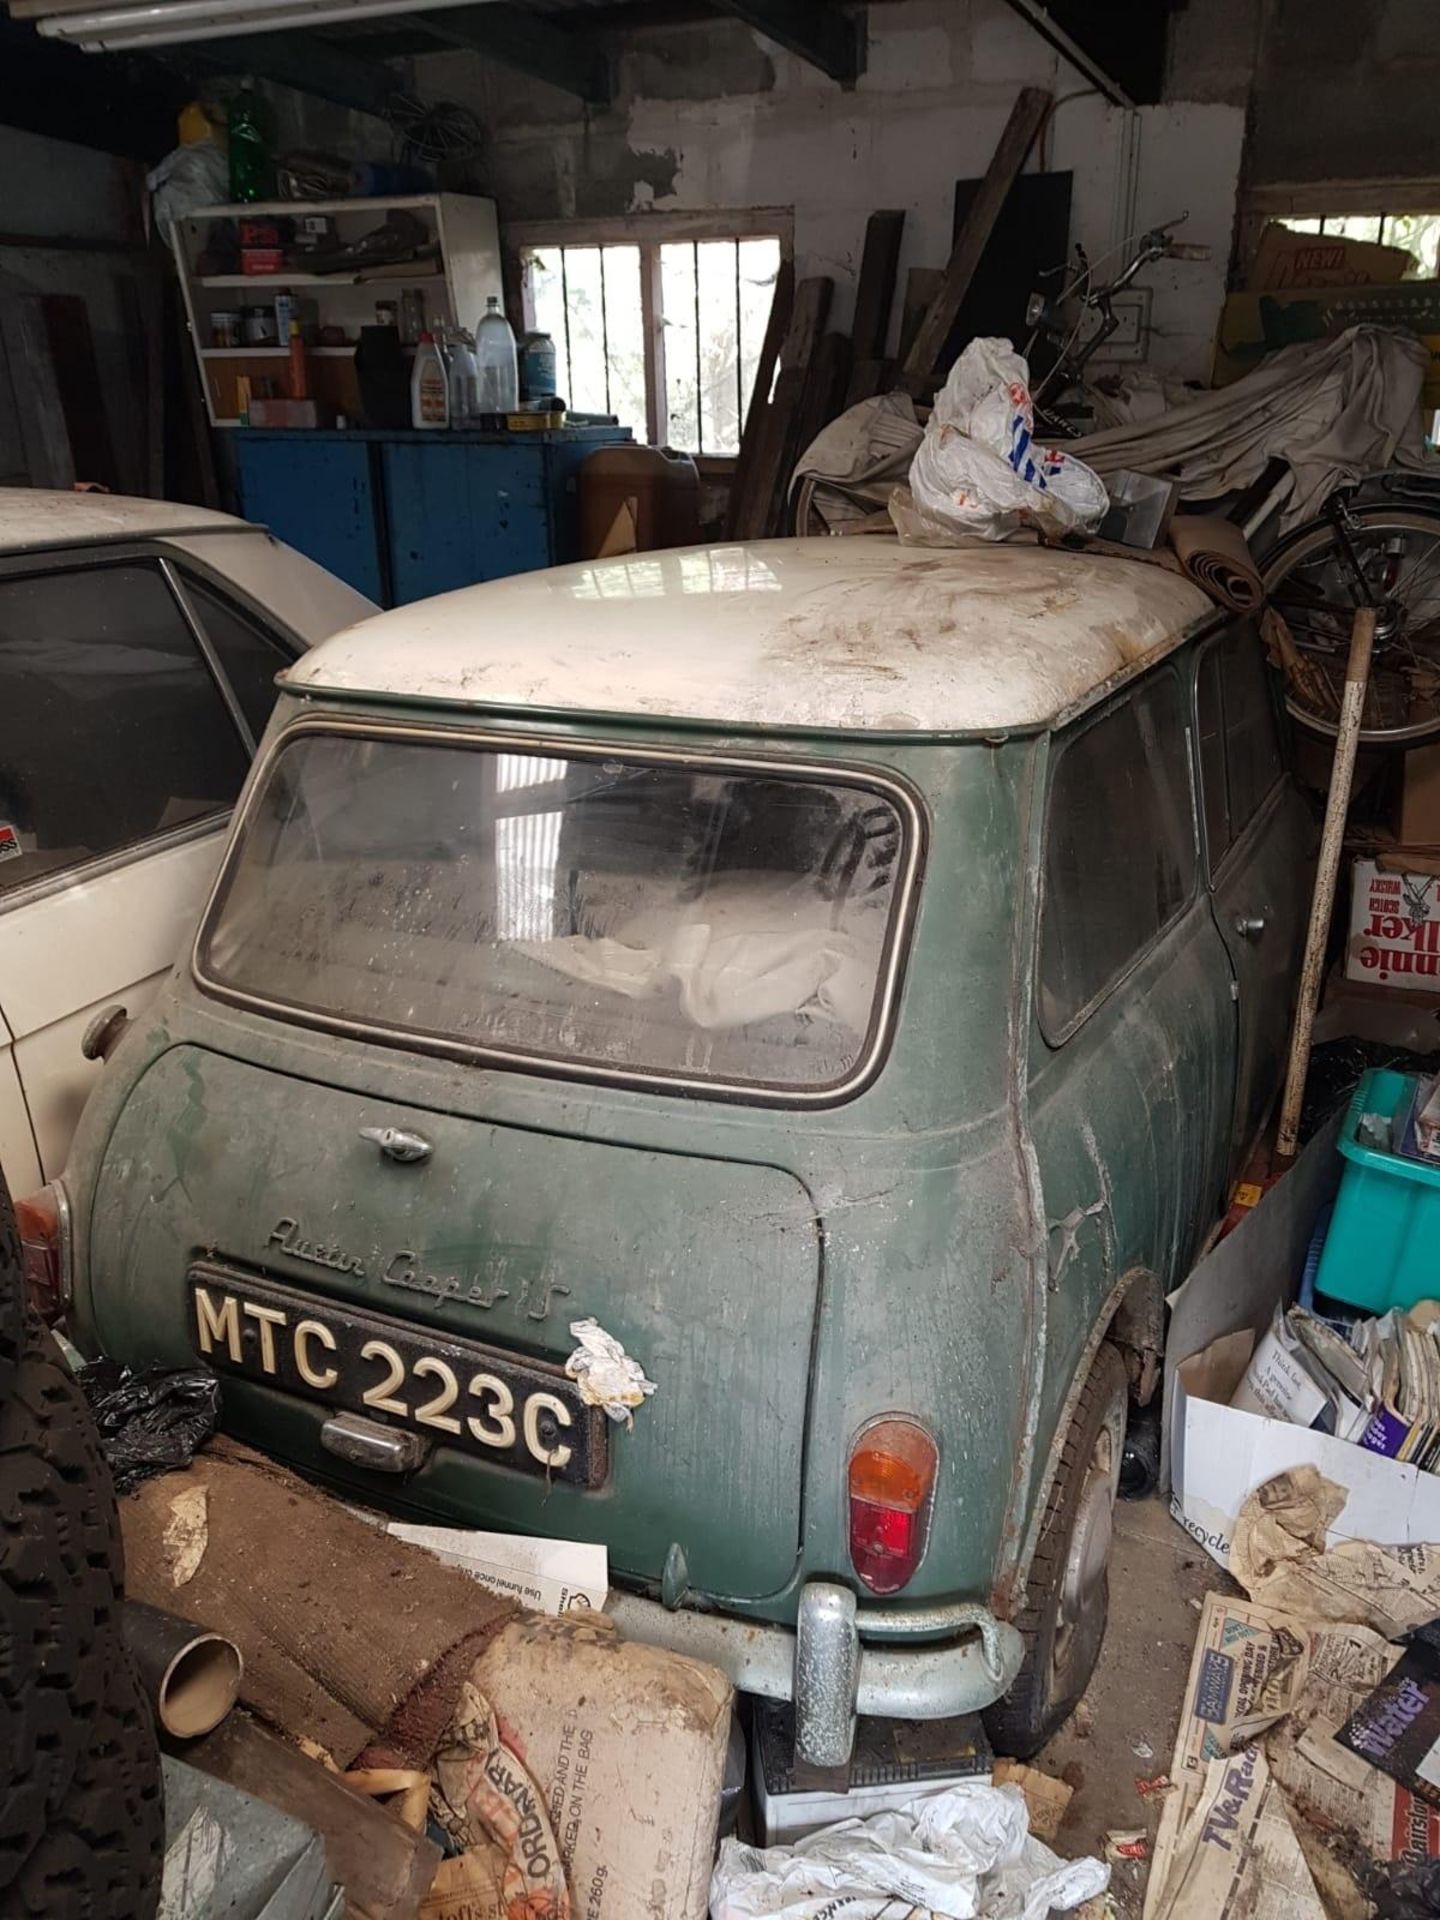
{"x": 1383, "y": 1248}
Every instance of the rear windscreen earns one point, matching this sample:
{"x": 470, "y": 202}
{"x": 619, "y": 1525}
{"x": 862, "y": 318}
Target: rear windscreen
{"x": 687, "y": 920}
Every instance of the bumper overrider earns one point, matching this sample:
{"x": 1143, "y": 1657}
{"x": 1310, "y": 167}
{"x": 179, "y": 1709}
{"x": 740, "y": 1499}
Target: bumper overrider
{"x": 843, "y": 1659}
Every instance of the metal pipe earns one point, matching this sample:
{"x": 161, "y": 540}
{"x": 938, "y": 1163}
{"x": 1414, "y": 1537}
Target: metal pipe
{"x": 1322, "y": 905}
{"x": 192, "y": 1676}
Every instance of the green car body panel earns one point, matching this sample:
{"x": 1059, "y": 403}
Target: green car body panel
{"x": 950, "y": 1242}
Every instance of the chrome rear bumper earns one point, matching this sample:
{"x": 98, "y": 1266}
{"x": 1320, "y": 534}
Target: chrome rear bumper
{"x": 836, "y": 1664}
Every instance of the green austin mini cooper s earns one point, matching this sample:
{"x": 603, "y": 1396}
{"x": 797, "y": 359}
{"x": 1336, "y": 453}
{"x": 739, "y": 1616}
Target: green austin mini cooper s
{"x": 828, "y": 982}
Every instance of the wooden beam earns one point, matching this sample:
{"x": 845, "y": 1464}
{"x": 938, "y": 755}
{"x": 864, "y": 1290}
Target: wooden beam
{"x": 776, "y": 327}
{"x": 530, "y": 43}
{"x": 762, "y": 509}
{"x": 1026, "y": 119}
{"x": 875, "y": 289}
{"x": 303, "y": 62}
{"x": 817, "y": 30}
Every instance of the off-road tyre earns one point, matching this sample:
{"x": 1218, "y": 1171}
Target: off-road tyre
{"x": 1043, "y": 1697}
{"x": 81, "y": 1818}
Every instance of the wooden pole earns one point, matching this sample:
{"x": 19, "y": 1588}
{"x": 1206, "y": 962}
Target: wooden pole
{"x": 1322, "y": 905}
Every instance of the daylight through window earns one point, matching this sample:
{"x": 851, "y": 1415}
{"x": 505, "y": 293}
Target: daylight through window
{"x": 664, "y": 334}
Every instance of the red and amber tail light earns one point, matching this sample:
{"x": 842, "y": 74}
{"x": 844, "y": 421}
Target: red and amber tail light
{"x": 43, "y": 1219}
{"x": 891, "y": 1486}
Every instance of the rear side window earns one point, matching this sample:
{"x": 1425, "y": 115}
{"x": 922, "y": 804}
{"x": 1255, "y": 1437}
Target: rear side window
{"x": 249, "y": 656}
{"x": 1119, "y": 849}
{"x": 1240, "y": 754}
{"x": 113, "y": 729}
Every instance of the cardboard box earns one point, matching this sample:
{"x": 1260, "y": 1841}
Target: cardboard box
{"x": 1287, "y": 259}
{"x": 1214, "y": 1455}
{"x": 1394, "y": 938}
{"x": 1219, "y": 1455}
{"x": 1420, "y": 798}
{"x": 1254, "y": 324}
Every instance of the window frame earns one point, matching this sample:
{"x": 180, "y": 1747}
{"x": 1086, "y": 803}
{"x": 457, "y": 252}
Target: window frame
{"x": 879, "y": 1037}
{"x": 1179, "y": 667}
{"x": 71, "y": 559}
{"x": 650, "y": 232}
{"x": 1216, "y": 870}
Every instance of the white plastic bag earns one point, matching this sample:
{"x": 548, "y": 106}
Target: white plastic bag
{"x": 965, "y": 1853}
{"x": 978, "y": 470}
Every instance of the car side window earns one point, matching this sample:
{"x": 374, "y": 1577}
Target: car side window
{"x": 114, "y": 728}
{"x": 1240, "y": 752}
{"x": 1119, "y": 848}
{"x": 249, "y": 655}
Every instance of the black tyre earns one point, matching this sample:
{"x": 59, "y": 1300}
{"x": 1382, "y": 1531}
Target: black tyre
{"x": 81, "y": 1821}
{"x": 1067, "y": 1595}
{"x": 1398, "y": 550}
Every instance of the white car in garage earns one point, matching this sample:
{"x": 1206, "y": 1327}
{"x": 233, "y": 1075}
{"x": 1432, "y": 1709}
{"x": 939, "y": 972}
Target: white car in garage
{"x": 139, "y": 643}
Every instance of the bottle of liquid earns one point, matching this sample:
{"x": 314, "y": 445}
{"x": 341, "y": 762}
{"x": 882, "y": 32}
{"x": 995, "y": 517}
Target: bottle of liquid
{"x": 429, "y": 389}
{"x": 499, "y": 379}
{"x": 252, "y": 146}
{"x": 299, "y": 367}
{"x": 287, "y": 309}
{"x": 464, "y": 379}
{"x": 412, "y": 316}
{"x": 537, "y": 367}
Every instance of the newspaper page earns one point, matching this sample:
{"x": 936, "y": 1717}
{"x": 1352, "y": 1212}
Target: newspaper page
{"x": 1248, "y": 1670}
{"x": 1237, "y": 1857}
{"x": 1278, "y": 1555}
{"x": 550, "y": 1576}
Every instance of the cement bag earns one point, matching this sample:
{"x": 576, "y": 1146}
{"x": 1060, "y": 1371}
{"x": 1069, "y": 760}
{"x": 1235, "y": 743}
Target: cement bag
{"x": 963, "y": 1853}
{"x": 978, "y": 470}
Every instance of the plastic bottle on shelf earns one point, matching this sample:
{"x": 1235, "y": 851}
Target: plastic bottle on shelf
{"x": 252, "y": 145}
{"x": 498, "y": 375}
{"x": 429, "y": 389}
{"x": 464, "y": 378}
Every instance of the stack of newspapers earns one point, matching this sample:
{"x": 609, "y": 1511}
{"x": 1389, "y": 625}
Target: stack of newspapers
{"x": 1380, "y": 1388}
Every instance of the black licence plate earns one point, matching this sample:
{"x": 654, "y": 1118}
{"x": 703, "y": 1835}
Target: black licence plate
{"x": 517, "y": 1413}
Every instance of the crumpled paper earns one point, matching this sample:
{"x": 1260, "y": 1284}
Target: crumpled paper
{"x": 963, "y": 1853}
{"x": 1278, "y": 1554}
{"x": 605, "y": 1374}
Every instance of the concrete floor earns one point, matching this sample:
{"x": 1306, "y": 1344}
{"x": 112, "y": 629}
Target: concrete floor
{"x": 1125, "y": 1728}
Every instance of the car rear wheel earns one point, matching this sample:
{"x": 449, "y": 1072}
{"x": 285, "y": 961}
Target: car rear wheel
{"x": 81, "y": 1819}
{"x": 1067, "y": 1595}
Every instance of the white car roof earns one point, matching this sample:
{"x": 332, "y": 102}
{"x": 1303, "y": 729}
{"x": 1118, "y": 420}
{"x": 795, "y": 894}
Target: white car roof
{"x": 827, "y": 634}
{"x": 32, "y": 517}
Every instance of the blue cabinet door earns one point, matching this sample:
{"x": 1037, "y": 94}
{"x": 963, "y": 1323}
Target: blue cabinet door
{"x": 316, "y": 495}
{"x": 460, "y": 512}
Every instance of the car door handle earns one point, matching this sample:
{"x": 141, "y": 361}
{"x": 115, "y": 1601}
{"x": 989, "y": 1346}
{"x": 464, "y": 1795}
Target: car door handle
{"x": 398, "y": 1144}
{"x": 1249, "y": 926}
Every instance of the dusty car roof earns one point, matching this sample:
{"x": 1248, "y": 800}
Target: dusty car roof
{"x": 33, "y": 517}
{"x": 827, "y": 634}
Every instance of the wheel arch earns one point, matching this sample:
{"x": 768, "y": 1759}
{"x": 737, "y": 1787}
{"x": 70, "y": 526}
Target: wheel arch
{"x": 1132, "y": 1316}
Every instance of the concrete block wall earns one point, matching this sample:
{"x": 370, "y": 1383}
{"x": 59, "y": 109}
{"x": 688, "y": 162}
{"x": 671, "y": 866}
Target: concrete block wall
{"x": 713, "y": 116}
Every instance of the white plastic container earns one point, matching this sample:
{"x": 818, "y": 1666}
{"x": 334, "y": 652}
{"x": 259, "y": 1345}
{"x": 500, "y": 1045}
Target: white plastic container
{"x": 429, "y": 386}
{"x": 498, "y": 373}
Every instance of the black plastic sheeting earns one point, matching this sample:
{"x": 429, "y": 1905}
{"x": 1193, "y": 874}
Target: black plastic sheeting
{"x": 153, "y": 1421}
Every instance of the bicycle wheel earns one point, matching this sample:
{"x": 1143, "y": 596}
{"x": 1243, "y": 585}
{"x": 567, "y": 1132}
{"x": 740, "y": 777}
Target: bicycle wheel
{"x": 1311, "y": 583}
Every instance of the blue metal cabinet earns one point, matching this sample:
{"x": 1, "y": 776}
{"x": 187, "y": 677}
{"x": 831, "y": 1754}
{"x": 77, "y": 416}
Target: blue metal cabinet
{"x": 462, "y": 513}
{"x": 403, "y": 515}
{"x": 316, "y": 494}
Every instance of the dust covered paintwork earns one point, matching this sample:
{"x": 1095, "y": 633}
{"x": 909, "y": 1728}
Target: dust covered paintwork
{"x": 825, "y": 634}
{"x": 951, "y": 1240}
{"x": 32, "y": 517}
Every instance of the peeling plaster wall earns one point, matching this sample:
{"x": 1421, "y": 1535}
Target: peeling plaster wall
{"x": 714, "y": 116}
